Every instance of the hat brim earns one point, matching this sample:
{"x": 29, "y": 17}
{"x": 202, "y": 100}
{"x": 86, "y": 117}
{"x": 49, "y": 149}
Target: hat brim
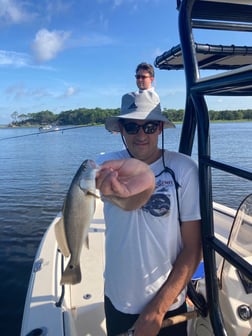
{"x": 112, "y": 123}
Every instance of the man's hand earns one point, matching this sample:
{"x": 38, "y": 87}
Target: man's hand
{"x": 128, "y": 183}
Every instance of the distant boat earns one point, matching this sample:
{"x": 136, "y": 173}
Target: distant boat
{"x": 48, "y": 128}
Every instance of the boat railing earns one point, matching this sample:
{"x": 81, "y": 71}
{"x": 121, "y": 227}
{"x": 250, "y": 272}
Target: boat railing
{"x": 236, "y": 80}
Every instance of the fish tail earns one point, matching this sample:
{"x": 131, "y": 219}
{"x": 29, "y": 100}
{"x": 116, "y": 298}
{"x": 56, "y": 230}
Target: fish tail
{"x": 71, "y": 275}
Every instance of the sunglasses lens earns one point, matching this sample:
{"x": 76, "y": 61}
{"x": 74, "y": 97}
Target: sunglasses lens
{"x": 131, "y": 128}
{"x": 150, "y": 128}
{"x": 142, "y": 76}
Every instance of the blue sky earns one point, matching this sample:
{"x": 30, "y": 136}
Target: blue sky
{"x": 64, "y": 54}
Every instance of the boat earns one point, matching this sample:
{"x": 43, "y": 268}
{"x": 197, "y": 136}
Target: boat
{"x": 220, "y": 292}
{"x": 52, "y": 309}
{"x": 48, "y": 128}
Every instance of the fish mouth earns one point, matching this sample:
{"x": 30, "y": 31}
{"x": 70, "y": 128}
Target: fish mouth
{"x": 90, "y": 164}
{"x": 93, "y": 164}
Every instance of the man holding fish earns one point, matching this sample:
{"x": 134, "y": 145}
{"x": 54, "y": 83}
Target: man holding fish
{"x": 131, "y": 183}
{"x": 153, "y": 240}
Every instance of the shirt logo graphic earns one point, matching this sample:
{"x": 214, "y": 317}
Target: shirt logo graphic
{"x": 158, "y": 205}
{"x": 132, "y": 106}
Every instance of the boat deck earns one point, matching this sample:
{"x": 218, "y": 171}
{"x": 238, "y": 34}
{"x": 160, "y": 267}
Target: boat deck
{"x": 81, "y": 312}
{"x": 82, "y": 303}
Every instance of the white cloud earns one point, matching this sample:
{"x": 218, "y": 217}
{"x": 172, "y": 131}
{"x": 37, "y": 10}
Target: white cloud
{"x": 229, "y": 103}
{"x": 12, "y": 58}
{"x": 70, "y": 91}
{"x": 118, "y": 3}
{"x": 19, "y": 91}
{"x": 93, "y": 40}
{"x": 58, "y": 7}
{"x": 19, "y": 60}
{"x": 48, "y": 44}
{"x": 12, "y": 11}
{"x": 19, "y": 11}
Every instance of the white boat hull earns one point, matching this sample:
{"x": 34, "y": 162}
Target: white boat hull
{"x": 81, "y": 312}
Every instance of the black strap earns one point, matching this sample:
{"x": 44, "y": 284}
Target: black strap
{"x": 177, "y": 186}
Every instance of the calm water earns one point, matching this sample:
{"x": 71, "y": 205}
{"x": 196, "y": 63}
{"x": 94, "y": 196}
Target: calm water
{"x": 35, "y": 173}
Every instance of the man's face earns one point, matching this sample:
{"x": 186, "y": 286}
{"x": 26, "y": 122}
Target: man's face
{"x": 141, "y": 145}
{"x": 143, "y": 79}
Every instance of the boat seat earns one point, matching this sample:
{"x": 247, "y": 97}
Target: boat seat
{"x": 209, "y": 57}
{"x": 199, "y": 273}
{"x": 197, "y": 298}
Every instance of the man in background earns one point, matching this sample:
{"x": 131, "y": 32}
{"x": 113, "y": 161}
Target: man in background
{"x": 145, "y": 76}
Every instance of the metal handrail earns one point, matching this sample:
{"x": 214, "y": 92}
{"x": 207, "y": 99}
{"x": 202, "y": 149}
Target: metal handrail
{"x": 203, "y": 14}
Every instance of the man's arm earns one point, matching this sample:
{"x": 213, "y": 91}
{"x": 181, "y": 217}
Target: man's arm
{"x": 127, "y": 183}
{"x": 150, "y": 320}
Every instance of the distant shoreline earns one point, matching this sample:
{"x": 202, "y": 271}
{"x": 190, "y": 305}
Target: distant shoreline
{"x": 175, "y": 122}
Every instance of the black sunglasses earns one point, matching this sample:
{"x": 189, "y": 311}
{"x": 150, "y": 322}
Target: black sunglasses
{"x": 148, "y": 128}
{"x": 142, "y": 76}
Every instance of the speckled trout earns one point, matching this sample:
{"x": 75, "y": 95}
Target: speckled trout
{"x": 78, "y": 210}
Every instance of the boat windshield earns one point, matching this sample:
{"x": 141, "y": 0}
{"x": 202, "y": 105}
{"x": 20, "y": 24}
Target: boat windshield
{"x": 240, "y": 237}
{"x": 240, "y": 242}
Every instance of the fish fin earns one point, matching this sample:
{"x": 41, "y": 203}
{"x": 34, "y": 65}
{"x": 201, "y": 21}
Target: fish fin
{"x": 71, "y": 275}
{"x": 86, "y": 242}
{"x": 61, "y": 237}
{"x": 88, "y": 189}
{"x": 93, "y": 192}
{"x": 96, "y": 193}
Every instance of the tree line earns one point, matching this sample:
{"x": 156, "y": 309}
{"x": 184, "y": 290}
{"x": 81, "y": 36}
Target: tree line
{"x": 85, "y": 116}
